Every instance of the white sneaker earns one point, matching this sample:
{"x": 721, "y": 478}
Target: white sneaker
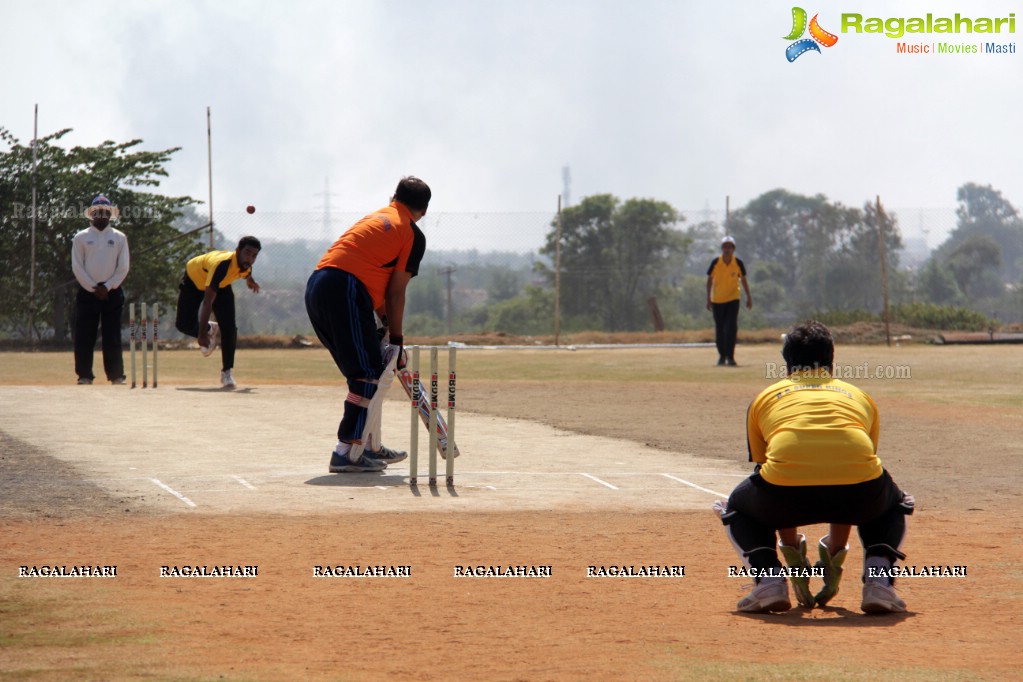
{"x": 880, "y": 598}
{"x": 772, "y": 596}
{"x": 226, "y": 380}
{"x": 214, "y": 339}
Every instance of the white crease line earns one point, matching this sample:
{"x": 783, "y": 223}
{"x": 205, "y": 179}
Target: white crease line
{"x": 693, "y": 485}
{"x": 612, "y": 487}
{"x": 244, "y": 482}
{"x": 173, "y": 492}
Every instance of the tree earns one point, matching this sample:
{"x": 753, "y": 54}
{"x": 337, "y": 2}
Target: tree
{"x": 823, "y": 255}
{"x": 969, "y": 261}
{"x": 66, "y": 181}
{"x": 613, "y": 255}
{"x": 984, "y": 211}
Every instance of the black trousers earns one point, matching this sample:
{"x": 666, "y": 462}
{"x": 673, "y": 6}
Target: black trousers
{"x": 91, "y": 314}
{"x": 187, "y": 318}
{"x": 756, "y": 509}
{"x": 726, "y": 327}
{"x": 341, "y": 311}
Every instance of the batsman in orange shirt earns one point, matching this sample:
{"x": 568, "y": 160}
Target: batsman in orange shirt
{"x": 363, "y": 276}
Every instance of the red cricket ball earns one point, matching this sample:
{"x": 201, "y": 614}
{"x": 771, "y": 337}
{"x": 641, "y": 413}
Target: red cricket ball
{"x": 250, "y": 209}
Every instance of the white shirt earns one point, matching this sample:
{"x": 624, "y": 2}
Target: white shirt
{"x": 99, "y": 257}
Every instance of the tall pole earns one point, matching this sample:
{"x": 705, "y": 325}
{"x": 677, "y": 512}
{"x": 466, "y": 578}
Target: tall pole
{"x": 32, "y": 266}
{"x": 451, "y": 316}
{"x": 884, "y": 275}
{"x": 557, "y": 280}
{"x": 728, "y": 212}
{"x": 209, "y": 162}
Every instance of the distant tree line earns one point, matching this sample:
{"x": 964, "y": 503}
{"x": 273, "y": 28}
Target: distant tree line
{"x": 806, "y": 255}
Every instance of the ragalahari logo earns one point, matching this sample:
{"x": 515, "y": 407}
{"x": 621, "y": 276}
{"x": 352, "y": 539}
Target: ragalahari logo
{"x": 817, "y": 35}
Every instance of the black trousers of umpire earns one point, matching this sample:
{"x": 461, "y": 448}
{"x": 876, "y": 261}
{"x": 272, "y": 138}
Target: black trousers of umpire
{"x": 90, "y": 314}
{"x": 756, "y": 509}
{"x": 726, "y": 327}
{"x": 187, "y": 319}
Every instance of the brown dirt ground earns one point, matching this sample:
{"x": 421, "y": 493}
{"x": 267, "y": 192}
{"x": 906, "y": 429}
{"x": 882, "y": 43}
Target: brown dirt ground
{"x": 289, "y": 625}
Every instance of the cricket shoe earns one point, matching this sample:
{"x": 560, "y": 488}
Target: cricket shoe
{"x": 214, "y": 338}
{"x": 340, "y": 464}
{"x": 880, "y": 598}
{"x": 84, "y": 381}
{"x": 227, "y": 380}
{"x": 766, "y": 597}
{"x": 386, "y": 455}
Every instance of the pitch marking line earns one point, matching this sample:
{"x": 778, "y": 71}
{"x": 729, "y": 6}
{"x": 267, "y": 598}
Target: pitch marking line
{"x": 594, "y": 478}
{"x": 693, "y": 485}
{"x": 244, "y": 482}
{"x": 173, "y": 492}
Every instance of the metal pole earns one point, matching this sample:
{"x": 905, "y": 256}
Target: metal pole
{"x": 447, "y": 272}
{"x": 209, "y": 162}
{"x": 884, "y": 275}
{"x": 32, "y": 266}
{"x": 557, "y": 280}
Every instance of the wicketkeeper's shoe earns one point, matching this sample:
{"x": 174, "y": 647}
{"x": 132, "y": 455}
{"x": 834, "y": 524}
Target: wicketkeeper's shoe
{"x": 386, "y": 455}
{"x": 795, "y": 558}
{"x": 340, "y": 464}
{"x": 117, "y": 381}
{"x": 214, "y": 338}
{"x": 832, "y": 566}
{"x": 881, "y": 598}
{"x": 765, "y": 597}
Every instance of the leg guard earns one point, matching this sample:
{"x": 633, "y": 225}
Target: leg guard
{"x": 832, "y": 566}
{"x": 752, "y": 542}
{"x": 795, "y": 558}
{"x": 371, "y": 433}
{"x": 353, "y": 422}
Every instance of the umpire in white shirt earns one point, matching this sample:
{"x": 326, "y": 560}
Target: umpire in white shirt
{"x": 99, "y": 259}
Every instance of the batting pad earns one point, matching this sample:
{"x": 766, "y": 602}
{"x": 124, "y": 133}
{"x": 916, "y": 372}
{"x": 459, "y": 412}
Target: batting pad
{"x": 371, "y": 433}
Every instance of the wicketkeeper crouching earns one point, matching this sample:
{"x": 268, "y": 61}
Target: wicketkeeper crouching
{"x": 815, "y": 439}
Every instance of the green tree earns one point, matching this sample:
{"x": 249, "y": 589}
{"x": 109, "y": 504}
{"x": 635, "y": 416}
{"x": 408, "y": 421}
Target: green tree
{"x": 822, "y": 255}
{"x": 984, "y": 211}
{"x": 613, "y": 256}
{"x": 66, "y": 182}
{"x": 971, "y": 259}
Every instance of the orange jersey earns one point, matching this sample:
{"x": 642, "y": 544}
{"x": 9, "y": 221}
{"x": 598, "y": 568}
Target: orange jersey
{"x": 376, "y": 246}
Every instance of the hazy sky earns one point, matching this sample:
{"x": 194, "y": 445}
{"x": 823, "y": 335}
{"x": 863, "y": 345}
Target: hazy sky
{"x": 682, "y": 101}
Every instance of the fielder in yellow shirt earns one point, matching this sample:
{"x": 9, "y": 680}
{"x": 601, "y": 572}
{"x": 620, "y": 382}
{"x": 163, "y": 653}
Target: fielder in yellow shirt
{"x": 724, "y": 277}
{"x": 205, "y": 291}
{"x": 814, "y": 439}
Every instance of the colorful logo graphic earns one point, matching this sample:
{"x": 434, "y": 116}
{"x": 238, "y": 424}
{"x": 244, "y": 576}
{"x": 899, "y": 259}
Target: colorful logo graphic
{"x": 817, "y": 35}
